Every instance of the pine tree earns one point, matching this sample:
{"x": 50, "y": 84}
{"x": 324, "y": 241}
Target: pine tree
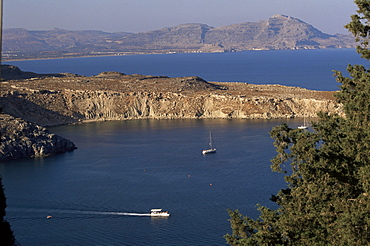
{"x": 327, "y": 200}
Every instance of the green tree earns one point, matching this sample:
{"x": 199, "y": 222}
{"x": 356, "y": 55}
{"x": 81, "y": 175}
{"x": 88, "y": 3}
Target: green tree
{"x": 6, "y": 234}
{"x": 327, "y": 199}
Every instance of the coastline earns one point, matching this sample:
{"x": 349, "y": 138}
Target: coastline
{"x": 58, "y": 99}
{"x": 67, "y": 99}
{"x": 109, "y": 55}
{"x": 5, "y": 59}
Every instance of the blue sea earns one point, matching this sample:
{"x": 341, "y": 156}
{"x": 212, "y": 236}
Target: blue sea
{"x": 130, "y": 167}
{"x": 311, "y": 69}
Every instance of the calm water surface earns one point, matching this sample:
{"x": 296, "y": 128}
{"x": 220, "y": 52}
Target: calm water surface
{"x": 311, "y": 69}
{"x": 133, "y": 166}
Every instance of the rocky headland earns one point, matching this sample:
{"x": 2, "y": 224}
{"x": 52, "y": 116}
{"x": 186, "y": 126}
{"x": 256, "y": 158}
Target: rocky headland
{"x": 68, "y": 98}
{"x": 21, "y": 139}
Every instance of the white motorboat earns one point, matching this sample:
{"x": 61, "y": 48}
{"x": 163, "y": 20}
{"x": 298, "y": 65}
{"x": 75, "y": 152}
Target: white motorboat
{"x": 158, "y": 212}
{"x": 212, "y": 148}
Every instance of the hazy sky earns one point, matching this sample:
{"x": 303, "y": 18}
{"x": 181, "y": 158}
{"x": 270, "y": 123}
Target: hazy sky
{"x": 135, "y": 16}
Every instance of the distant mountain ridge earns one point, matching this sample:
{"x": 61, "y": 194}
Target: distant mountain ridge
{"x": 276, "y": 33}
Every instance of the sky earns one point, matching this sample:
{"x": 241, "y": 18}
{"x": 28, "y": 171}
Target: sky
{"x": 329, "y": 16}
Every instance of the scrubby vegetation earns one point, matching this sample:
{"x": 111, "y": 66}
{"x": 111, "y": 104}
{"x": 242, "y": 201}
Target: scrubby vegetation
{"x": 327, "y": 198}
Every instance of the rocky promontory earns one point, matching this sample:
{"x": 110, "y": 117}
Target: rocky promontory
{"x": 68, "y": 98}
{"x": 22, "y": 139}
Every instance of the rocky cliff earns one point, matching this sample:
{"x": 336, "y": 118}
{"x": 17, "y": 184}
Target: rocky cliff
{"x": 115, "y": 96}
{"x": 54, "y": 99}
{"x": 21, "y": 139}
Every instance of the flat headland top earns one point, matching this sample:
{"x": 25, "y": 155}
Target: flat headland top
{"x": 135, "y": 83}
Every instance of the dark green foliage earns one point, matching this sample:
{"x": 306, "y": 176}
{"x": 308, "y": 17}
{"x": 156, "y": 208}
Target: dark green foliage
{"x": 360, "y": 28}
{"x": 327, "y": 199}
{"x": 6, "y": 234}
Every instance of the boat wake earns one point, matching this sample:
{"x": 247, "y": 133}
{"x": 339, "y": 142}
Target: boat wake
{"x": 106, "y": 213}
{"x": 122, "y": 214}
{"x": 54, "y": 212}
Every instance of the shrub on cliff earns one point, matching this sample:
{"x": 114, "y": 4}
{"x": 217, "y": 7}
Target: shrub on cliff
{"x": 327, "y": 199}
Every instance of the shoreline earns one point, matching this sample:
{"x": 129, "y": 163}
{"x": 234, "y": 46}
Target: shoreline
{"x": 115, "y": 54}
{"x": 113, "y": 96}
{"x": 4, "y": 59}
{"x": 49, "y": 101}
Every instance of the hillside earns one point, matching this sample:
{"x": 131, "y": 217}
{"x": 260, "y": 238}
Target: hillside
{"x": 67, "y": 98}
{"x": 278, "y": 32}
{"x": 28, "y": 100}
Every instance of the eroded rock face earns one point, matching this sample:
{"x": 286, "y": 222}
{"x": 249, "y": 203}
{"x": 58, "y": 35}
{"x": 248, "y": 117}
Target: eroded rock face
{"x": 71, "y": 99}
{"x": 22, "y": 139}
{"x": 68, "y": 98}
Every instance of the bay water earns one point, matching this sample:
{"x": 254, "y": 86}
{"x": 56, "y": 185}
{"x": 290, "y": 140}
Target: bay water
{"x": 130, "y": 167}
{"x": 134, "y": 166}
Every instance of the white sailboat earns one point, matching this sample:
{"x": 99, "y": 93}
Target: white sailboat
{"x": 212, "y": 149}
{"x": 304, "y": 126}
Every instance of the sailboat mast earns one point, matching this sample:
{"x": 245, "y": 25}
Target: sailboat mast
{"x": 212, "y": 148}
{"x": 210, "y": 139}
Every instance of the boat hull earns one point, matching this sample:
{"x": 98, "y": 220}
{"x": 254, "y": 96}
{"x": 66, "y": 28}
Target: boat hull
{"x": 208, "y": 151}
{"x": 302, "y": 127}
{"x": 160, "y": 215}
{"x": 157, "y": 212}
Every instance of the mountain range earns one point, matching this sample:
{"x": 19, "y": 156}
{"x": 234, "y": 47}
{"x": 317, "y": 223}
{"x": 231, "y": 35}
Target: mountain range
{"x": 276, "y": 33}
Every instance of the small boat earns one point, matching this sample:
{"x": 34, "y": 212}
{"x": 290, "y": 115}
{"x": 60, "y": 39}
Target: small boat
{"x": 212, "y": 149}
{"x": 158, "y": 212}
{"x": 304, "y": 126}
